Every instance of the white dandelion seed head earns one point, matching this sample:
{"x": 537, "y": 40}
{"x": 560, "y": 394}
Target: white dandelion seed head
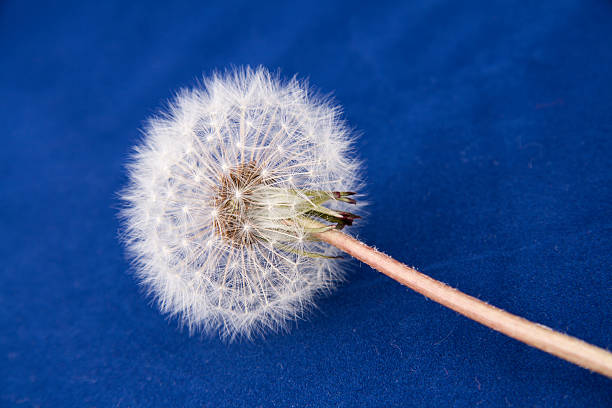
{"x": 215, "y": 194}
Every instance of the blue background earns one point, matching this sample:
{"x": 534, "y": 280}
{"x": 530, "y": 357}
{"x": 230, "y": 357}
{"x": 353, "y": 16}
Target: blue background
{"x": 486, "y": 132}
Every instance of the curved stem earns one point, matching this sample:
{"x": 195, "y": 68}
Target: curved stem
{"x": 536, "y": 335}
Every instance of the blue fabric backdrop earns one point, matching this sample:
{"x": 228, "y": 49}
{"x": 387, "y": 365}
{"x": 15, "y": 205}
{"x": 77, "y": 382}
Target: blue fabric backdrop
{"x": 487, "y": 137}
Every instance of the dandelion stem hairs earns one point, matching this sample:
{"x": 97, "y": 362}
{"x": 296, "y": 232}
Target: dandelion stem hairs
{"x": 221, "y": 197}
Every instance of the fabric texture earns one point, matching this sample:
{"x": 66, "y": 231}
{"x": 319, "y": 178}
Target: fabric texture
{"x": 486, "y": 131}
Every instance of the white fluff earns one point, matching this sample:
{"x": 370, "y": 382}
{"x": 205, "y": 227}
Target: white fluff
{"x": 172, "y": 204}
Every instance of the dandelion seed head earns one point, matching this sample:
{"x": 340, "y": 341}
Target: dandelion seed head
{"x": 212, "y": 207}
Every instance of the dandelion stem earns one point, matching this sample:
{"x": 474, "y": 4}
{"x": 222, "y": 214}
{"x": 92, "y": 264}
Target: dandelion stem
{"x": 536, "y": 335}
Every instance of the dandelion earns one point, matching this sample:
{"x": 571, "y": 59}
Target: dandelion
{"x": 222, "y": 197}
{"x": 234, "y": 206}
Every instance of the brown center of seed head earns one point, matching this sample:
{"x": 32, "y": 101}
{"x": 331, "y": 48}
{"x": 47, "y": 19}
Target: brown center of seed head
{"x": 232, "y": 199}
